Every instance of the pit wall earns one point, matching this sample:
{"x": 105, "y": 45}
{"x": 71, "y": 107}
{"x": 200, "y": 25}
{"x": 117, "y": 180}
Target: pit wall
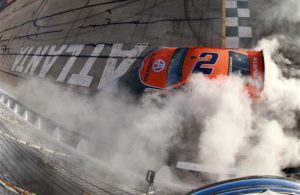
{"x": 40, "y": 122}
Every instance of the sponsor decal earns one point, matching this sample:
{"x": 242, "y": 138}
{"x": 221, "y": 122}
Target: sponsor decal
{"x": 257, "y": 82}
{"x": 230, "y": 64}
{"x": 255, "y": 68}
{"x": 159, "y": 65}
{"x": 204, "y": 65}
{"x": 44, "y": 58}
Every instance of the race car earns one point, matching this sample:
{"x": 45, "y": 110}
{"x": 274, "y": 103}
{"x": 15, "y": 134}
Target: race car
{"x": 171, "y": 67}
{"x": 253, "y": 185}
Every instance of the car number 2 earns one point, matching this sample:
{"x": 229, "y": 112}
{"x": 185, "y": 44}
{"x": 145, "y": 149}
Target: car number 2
{"x": 206, "y": 63}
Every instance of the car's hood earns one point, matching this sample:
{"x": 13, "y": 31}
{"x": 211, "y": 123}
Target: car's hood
{"x": 154, "y": 68}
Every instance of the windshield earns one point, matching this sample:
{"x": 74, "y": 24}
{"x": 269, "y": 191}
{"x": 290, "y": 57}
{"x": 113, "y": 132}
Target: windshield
{"x": 239, "y": 63}
{"x": 175, "y": 67}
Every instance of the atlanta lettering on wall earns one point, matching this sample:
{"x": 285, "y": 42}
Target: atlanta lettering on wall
{"x": 29, "y": 59}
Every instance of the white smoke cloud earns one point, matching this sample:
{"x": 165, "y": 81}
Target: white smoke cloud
{"x": 252, "y": 137}
{"x": 236, "y": 132}
{"x": 233, "y": 132}
{"x": 279, "y": 18}
{"x": 226, "y": 125}
{"x": 285, "y": 10}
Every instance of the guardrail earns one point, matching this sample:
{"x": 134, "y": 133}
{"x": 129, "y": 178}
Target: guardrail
{"x": 38, "y": 121}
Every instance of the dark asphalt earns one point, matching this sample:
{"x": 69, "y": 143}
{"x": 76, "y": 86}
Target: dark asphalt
{"x": 36, "y": 170}
{"x": 113, "y": 24}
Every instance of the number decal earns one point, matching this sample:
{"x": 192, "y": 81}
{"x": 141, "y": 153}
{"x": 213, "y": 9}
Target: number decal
{"x": 205, "y": 64}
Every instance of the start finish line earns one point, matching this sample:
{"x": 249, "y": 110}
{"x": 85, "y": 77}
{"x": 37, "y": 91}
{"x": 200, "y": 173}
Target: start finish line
{"x": 205, "y": 168}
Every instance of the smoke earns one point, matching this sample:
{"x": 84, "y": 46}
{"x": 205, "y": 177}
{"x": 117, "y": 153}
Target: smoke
{"x": 234, "y": 132}
{"x": 230, "y": 132}
{"x": 124, "y": 131}
{"x": 285, "y": 10}
{"x": 279, "y": 18}
{"x": 212, "y": 122}
{"x": 249, "y": 137}
{"x": 228, "y": 129}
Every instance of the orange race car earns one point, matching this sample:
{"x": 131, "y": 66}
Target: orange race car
{"x": 170, "y": 67}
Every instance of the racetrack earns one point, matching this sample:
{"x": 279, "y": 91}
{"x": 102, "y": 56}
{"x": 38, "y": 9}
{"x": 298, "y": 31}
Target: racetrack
{"x": 119, "y": 26}
{"x": 80, "y": 47}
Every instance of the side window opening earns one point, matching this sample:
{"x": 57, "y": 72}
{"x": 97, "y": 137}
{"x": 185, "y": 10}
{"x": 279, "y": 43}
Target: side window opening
{"x": 175, "y": 67}
{"x": 239, "y": 64}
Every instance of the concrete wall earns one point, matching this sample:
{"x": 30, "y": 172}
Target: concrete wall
{"x": 39, "y": 122}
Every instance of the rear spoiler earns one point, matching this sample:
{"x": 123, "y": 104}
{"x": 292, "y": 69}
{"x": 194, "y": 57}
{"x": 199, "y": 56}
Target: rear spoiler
{"x": 263, "y": 61}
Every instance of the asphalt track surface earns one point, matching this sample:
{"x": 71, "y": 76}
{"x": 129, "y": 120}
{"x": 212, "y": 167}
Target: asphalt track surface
{"x": 117, "y": 25}
{"x": 88, "y": 23}
{"x": 123, "y": 27}
{"x": 40, "y": 170}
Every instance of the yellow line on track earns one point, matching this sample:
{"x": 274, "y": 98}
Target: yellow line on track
{"x": 223, "y": 23}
